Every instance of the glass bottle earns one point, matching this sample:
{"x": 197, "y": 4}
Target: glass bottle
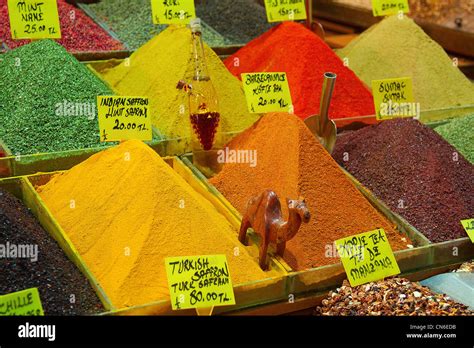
{"x": 203, "y": 104}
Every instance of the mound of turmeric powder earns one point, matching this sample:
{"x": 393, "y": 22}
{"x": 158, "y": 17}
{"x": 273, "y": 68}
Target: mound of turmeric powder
{"x": 125, "y": 210}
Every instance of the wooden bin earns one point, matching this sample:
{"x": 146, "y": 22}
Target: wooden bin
{"x": 222, "y": 51}
{"x": 22, "y": 189}
{"x": 247, "y": 295}
{"x": 331, "y": 276}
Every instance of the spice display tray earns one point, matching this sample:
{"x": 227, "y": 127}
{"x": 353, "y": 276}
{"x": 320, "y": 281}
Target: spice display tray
{"x": 99, "y": 55}
{"x": 63, "y": 160}
{"x": 60, "y": 160}
{"x": 21, "y": 188}
{"x": 428, "y": 117}
{"x": 246, "y": 295}
{"x": 443, "y": 253}
{"x": 458, "y": 41}
{"x": 423, "y": 256}
{"x": 305, "y": 305}
{"x": 220, "y": 50}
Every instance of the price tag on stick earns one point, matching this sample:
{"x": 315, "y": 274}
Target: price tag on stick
{"x": 124, "y": 118}
{"x": 367, "y": 257}
{"x": 21, "y": 303}
{"x": 394, "y": 98}
{"x": 172, "y": 11}
{"x": 469, "y": 227}
{"x": 34, "y": 19}
{"x": 199, "y": 282}
{"x": 267, "y": 92}
{"x": 285, "y": 10}
{"x": 389, "y": 7}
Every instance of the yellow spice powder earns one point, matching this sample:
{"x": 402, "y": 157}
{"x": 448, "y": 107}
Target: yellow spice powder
{"x": 126, "y": 210}
{"x": 154, "y": 71}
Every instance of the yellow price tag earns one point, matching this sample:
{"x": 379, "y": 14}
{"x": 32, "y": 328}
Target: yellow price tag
{"x": 21, "y": 303}
{"x": 389, "y": 7}
{"x": 469, "y": 227}
{"x": 34, "y": 19}
{"x": 199, "y": 281}
{"x": 394, "y": 98}
{"x": 172, "y": 11}
{"x": 267, "y": 92}
{"x": 284, "y": 10}
{"x": 124, "y": 118}
{"x": 367, "y": 257}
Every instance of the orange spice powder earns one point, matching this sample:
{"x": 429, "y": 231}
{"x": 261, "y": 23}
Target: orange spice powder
{"x": 293, "y": 163}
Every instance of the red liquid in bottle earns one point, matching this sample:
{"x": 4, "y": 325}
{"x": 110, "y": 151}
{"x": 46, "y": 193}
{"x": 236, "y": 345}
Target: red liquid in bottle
{"x": 205, "y": 126}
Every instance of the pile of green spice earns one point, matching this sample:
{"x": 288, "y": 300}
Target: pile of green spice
{"x": 62, "y": 287}
{"x": 400, "y": 48}
{"x": 133, "y": 24}
{"x": 239, "y": 21}
{"x": 459, "y": 133}
{"x": 47, "y": 100}
{"x": 415, "y": 172}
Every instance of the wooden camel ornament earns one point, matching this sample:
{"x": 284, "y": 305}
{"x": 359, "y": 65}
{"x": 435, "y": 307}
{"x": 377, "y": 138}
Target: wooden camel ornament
{"x": 264, "y": 216}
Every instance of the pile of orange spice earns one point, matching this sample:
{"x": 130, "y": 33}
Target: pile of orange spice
{"x": 293, "y": 163}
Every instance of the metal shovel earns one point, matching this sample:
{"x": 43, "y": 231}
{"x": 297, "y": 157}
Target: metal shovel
{"x": 321, "y": 126}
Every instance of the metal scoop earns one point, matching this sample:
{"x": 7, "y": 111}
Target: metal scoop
{"x": 315, "y": 27}
{"x": 321, "y": 126}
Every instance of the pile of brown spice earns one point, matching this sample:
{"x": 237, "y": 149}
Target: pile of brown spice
{"x": 390, "y": 297}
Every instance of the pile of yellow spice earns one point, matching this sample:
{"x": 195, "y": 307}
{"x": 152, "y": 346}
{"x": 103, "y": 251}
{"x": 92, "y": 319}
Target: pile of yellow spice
{"x": 132, "y": 210}
{"x": 154, "y": 71}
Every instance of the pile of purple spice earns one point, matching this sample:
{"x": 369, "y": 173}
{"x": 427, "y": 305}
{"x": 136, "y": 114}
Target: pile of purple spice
{"x": 415, "y": 172}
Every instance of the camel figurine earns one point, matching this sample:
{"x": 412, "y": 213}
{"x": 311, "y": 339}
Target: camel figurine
{"x": 264, "y": 215}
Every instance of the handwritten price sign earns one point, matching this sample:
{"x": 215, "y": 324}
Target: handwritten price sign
{"x": 389, "y": 7}
{"x": 199, "y": 281}
{"x": 32, "y": 19}
{"x": 469, "y": 227}
{"x": 394, "y": 98}
{"x": 26, "y": 302}
{"x": 367, "y": 257}
{"x": 124, "y": 118}
{"x": 267, "y": 92}
{"x": 285, "y": 10}
{"x": 173, "y": 11}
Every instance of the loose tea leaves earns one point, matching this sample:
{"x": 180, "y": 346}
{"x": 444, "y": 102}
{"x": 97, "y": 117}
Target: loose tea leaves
{"x": 396, "y": 296}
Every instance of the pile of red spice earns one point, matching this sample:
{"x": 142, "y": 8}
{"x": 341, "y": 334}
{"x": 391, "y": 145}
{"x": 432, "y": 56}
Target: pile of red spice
{"x": 79, "y": 32}
{"x": 305, "y": 57}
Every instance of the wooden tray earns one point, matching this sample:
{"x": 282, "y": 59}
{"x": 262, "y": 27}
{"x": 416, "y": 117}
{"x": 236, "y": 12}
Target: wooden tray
{"x": 222, "y": 51}
{"x": 247, "y": 295}
{"x": 22, "y": 189}
{"x": 331, "y": 276}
